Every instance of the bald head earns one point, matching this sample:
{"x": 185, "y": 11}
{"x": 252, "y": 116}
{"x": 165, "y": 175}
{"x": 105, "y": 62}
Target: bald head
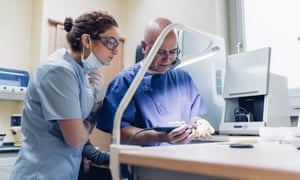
{"x": 154, "y": 28}
{"x": 167, "y": 51}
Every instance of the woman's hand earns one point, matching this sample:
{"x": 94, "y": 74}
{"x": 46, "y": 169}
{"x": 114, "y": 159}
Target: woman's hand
{"x": 86, "y": 165}
{"x": 96, "y": 81}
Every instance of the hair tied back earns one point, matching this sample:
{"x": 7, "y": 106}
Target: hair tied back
{"x": 68, "y": 24}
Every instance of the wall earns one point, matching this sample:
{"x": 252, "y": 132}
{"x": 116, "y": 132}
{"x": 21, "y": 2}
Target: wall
{"x": 25, "y": 31}
{"x": 205, "y": 15}
{"x": 15, "y": 33}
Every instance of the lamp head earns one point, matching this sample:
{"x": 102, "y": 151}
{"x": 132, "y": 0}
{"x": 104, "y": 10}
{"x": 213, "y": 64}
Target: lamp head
{"x": 199, "y": 56}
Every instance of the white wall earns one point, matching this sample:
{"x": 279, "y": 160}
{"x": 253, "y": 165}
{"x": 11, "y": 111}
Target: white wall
{"x": 15, "y": 33}
{"x": 205, "y": 15}
{"x": 133, "y": 15}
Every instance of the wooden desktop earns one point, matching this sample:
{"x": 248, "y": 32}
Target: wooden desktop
{"x": 266, "y": 160}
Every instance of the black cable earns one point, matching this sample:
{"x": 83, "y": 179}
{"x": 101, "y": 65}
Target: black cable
{"x": 140, "y": 131}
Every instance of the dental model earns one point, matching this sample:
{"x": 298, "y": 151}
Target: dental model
{"x": 201, "y": 127}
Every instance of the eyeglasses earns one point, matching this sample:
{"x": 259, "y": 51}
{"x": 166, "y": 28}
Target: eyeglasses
{"x": 166, "y": 54}
{"x": 110, "y": 42}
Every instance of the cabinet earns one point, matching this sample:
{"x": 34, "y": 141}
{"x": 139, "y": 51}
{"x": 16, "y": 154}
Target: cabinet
{"x": 7, "y": 161}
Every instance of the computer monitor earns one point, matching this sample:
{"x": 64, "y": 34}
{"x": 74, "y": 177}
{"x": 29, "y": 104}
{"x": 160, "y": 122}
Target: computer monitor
{"x": 207, "y": 74}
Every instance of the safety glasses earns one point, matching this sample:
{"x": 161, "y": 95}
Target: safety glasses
{"x": 110, "y": 43}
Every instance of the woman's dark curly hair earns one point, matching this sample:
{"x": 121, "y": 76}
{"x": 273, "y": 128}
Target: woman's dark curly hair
{"x": 92, "y": 23}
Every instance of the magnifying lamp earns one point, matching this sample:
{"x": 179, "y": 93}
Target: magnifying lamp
{"x": 116, "y": 147}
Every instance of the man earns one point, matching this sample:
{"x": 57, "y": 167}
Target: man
{"x": 164, "y": 96}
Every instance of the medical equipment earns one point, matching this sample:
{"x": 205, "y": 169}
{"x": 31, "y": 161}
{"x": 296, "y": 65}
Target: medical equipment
{"x": 2, "y": 136}
{"x": 13, "y": 83}
{"x": 254, "y": 97}
{"x": 15, "y": 123}
{"x": 207, "y": 72}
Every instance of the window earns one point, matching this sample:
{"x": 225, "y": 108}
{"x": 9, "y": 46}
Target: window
{"x": 269, "y": 23}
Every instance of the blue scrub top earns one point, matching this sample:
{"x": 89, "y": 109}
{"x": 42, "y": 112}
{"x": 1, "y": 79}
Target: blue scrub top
{"x": 159, "y": 99}
{"x": 57, "y": 90}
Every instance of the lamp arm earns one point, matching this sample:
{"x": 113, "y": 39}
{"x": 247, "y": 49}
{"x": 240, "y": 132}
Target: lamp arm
{"x": 198, "y": 56}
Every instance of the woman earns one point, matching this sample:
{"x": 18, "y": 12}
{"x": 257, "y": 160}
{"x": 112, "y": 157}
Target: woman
{"x": 60, "y": 100}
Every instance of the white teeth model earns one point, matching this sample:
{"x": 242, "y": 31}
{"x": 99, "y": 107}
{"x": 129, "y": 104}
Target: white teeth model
{"x": 201, "y": 127}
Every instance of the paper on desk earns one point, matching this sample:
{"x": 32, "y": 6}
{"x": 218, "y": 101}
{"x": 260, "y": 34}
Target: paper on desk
{"x": 278, "y": 133}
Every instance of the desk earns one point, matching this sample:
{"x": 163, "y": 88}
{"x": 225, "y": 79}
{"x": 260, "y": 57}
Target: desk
{"x": 267, "y": 160}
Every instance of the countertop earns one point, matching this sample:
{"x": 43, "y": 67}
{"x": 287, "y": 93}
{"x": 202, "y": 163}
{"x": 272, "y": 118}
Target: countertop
{"x": 8, "y": 147}
{"x": 267, "y": 160}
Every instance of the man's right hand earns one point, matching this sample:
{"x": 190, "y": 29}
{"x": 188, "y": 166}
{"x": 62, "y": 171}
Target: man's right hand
{"x": 180, "y": 135}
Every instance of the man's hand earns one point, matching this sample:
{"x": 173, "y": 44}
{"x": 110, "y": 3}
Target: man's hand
{"x": 201, "y": 127}
{"x": 180, "y": 135}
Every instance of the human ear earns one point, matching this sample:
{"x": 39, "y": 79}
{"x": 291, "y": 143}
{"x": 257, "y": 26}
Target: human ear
{"x": 144, "y": 46}
{"x": 85, "y": 39}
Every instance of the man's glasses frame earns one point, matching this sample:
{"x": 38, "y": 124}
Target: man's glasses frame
{"x": 173, "y": 53}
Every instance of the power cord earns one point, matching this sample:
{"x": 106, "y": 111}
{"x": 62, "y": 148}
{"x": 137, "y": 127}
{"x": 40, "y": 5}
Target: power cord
{"x": 140, "y": 131}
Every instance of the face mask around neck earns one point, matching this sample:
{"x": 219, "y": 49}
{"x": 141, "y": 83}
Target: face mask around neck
{"x": 91, "y": 62}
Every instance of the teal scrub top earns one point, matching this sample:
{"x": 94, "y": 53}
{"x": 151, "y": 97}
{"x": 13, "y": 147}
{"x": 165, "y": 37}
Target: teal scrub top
{"x": 57, "y": 90}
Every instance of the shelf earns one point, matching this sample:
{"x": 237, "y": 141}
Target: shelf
{"x": 12, "y": 96}
{"x": 9, "y": 148}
